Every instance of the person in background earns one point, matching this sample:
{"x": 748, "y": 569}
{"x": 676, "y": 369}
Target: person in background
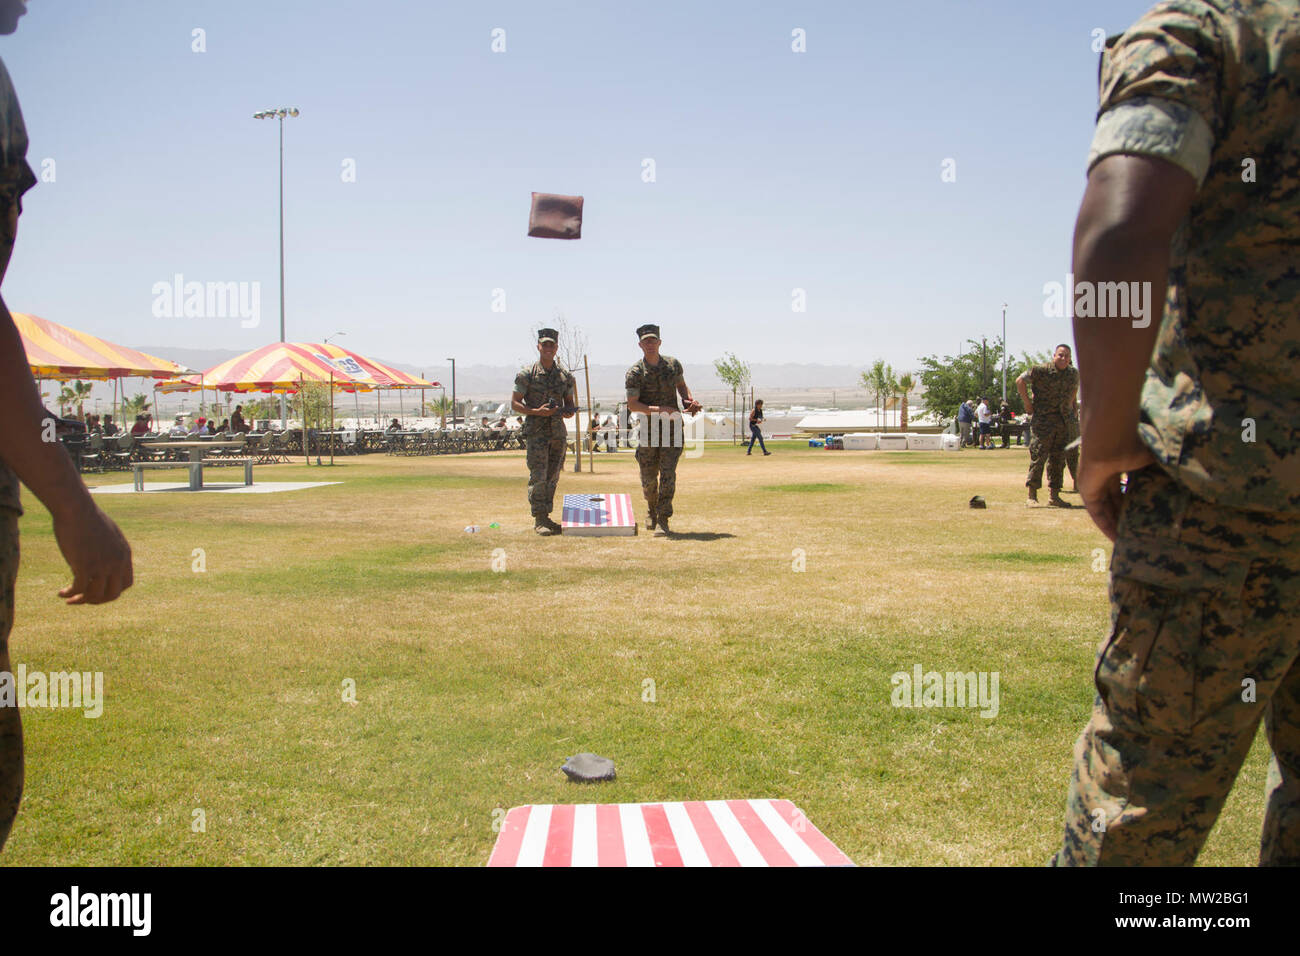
{"x": 178, "y": 429}
{"x": 394, "y": 426}
{"x": 109, "y": 429}
{"x": 94, "y": 547}
{"x": 200, "y": 426}
{"x": 1055, "y": 386}
{"x": 224, "y": 427}
{"x": 986, "y": 423}
{"x": 965, "y": 416}
{"x": 237, "y": 423}
{"x": 141, "y": 427}
{"x": 1005, "y": 416}
{"x": 755, "y": 432}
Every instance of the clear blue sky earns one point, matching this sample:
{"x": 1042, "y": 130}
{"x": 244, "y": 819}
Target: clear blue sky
{"x": 775, "y": 170}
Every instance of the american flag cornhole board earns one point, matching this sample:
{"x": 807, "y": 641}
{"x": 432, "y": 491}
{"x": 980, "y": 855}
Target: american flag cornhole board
{"x": 694, "y": 833}
{"x": 598, "y": 514}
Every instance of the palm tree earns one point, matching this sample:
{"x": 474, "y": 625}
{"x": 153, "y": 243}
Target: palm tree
{"x": 879, "y": 381}
{"x": 77, "y": 395}
{"x": 137, "y": 405}
{"x": 905, "y": 384}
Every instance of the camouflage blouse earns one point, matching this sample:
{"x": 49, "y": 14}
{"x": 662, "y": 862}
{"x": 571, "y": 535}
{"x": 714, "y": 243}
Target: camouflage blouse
{"x": 1053, "y": 389}
{"x": 538, "y": 386}
{"x": 656, "y": 384}
{"x": 1210, "y": 85}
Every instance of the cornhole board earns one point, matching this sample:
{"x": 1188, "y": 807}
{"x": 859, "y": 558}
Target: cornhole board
{"x": 861, "y": 441}
{"x": 598, "y": 515}
{"x": 924, "y": 442}
{"x": 693, "y": 833}
{"x": 893, "y": 442}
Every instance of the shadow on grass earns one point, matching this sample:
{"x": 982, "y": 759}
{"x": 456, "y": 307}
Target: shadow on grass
{"x": 699, "y": 535}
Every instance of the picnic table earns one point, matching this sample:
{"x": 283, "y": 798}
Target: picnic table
{"x": 194, "y": 461}
{"x": 195, "y": 447}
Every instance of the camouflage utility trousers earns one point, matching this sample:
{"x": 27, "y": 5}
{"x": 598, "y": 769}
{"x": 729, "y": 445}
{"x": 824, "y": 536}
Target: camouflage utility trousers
{"x": 1072, "y": 454}
{"x": 11, "y": 727}
{"x": 1203, "y": 644}
{"x": 545, "y": 456}
{"x": 1047, "y": 447}
{"x": 658, "y": 465}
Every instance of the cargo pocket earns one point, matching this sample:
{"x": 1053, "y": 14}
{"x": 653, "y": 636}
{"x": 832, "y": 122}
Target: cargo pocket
{"x": 1146, "y": 671}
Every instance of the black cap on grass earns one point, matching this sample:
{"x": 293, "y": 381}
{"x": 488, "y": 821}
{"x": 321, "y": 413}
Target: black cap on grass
{"x": 978, "y": 502}
{"x": 588, "y": 768}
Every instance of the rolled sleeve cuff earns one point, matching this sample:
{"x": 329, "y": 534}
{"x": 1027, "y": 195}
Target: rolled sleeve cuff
{"x": 1153, "y": 126}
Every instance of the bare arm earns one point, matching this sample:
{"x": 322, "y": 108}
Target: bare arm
{"x": 636, "y": 405}
{"x": 91, "y": 543}
{"x": 1023, "y": 388}
{"x": 1130, "y": 211}
{"x": 688, "y": 400}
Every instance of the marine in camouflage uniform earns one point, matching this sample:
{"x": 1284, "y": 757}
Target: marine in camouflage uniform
{"x": 16, "y": 178}
{"x": 1205, "y": 578}
{"x": 655, "y": 385}
{"x": 538, "y": 386}
{"x": 1055, "y": 387}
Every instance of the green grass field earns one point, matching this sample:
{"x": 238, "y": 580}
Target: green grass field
{"x": 225, "y": 689}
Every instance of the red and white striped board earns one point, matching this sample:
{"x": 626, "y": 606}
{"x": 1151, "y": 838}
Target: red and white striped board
{"x": 598, "y": 515}
{"x": 694, "y": 833}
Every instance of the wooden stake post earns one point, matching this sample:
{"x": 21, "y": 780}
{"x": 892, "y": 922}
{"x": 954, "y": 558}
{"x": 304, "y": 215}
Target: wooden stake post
{"x": 591, "y": 451}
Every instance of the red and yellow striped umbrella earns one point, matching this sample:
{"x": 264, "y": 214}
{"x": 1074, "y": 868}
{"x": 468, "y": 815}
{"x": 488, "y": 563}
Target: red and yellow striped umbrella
{"x": 367, "y": 369}
{"x": 57, "y": 352}
{"x": 278, "y": 367}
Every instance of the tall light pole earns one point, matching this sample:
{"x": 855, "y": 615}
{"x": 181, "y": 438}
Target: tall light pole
{"x": 280, "y": 113}
{"x": 453, "y": 391}
{"x": 1004, "y": 351}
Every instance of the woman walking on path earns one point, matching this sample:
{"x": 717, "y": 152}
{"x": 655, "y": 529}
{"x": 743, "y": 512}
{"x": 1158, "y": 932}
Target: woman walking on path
{"x": 756, "y": 435}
